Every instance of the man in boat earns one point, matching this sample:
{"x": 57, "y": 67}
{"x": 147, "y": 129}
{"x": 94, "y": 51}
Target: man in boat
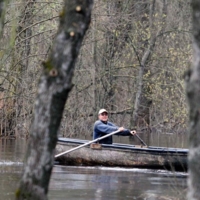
{"x": 103, "y": 127}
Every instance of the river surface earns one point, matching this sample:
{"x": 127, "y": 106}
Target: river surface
{"x": 92, "y": 183}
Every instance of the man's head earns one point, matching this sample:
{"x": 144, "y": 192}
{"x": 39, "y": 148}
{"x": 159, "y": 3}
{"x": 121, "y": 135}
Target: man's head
{"x": 103, "y": 115}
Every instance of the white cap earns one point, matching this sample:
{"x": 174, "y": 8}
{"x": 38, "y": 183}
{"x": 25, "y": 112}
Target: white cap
{"x": 102, "y": 111}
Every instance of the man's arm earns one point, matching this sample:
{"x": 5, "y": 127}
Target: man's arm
{"x": 105, "y": 128}
{"x": 126, "y": 132}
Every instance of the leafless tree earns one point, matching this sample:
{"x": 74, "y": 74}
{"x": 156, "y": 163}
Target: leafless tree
{"x": 55, "y": 84}
{"x": 3, "y": 4}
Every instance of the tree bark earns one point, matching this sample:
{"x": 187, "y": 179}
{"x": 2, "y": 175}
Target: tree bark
{"x": 193, "y": 95}
{"x": 54, "y": 86}
{"x": 3, "y": 4}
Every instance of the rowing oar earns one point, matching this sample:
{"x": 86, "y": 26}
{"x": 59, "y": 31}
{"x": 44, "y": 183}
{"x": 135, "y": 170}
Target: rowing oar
{"x": 140, "y": 139}
{"x": 83, "y": 145}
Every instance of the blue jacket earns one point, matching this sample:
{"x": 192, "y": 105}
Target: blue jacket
{"x": 103, "y": 128}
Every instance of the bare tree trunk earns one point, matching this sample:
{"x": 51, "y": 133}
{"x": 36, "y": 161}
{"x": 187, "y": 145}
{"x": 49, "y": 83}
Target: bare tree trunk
{"x": 54, "y": 86}
{"x": 141, "y": 114}
{"x": 3, "y": 4}
{"x": 116, "y": 40}
{"x": 193, "y": 95}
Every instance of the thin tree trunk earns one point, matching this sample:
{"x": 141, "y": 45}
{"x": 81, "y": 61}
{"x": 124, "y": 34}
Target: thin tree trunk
{"x": 55, "y": 84}
{"x": 141, "y": 110}
{"x": 115, "y": 43}
{"x": 3, "y": 4}
{"x": 193, "y": 95}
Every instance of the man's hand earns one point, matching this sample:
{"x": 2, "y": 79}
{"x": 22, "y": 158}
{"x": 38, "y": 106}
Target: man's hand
{"x": 133, "y": 132}
{"x": 121, "y": 129}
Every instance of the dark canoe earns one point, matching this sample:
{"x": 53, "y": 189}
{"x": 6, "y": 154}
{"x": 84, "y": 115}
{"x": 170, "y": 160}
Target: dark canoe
{"x": 123, "y": 155}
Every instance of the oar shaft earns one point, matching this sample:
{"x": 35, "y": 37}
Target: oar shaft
{"x": 83, "y": 145}
{"x": 141, "y": 140}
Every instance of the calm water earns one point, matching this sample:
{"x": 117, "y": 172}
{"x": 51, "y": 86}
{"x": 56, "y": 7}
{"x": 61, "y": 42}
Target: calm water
{"x": 100, "y": 183}
{"x": 91, "y": 183}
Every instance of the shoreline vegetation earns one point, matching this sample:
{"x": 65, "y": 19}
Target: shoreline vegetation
{"x": 131, "y": 62}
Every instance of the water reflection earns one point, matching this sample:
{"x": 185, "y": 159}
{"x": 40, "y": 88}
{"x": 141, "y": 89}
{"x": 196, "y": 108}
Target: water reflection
{"x": 101, "y": 183}
{"x": 11, "y": 162}
{"x": 153, "y": 139}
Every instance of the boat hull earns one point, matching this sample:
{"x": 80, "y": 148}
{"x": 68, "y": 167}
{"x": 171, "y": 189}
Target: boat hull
{"x": 122, "y": 155}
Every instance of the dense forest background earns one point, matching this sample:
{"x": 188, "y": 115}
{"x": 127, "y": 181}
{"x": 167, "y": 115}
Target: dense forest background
{"x": 132, "y": 63}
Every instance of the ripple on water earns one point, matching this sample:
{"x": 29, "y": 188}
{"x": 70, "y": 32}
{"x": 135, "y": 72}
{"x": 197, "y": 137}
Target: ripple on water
{"x": 10, "y": 163}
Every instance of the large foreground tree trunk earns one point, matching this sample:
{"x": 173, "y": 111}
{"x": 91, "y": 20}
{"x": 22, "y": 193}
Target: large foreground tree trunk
{"x": 54, "y": 86}
{"x": 193, "y": 94}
